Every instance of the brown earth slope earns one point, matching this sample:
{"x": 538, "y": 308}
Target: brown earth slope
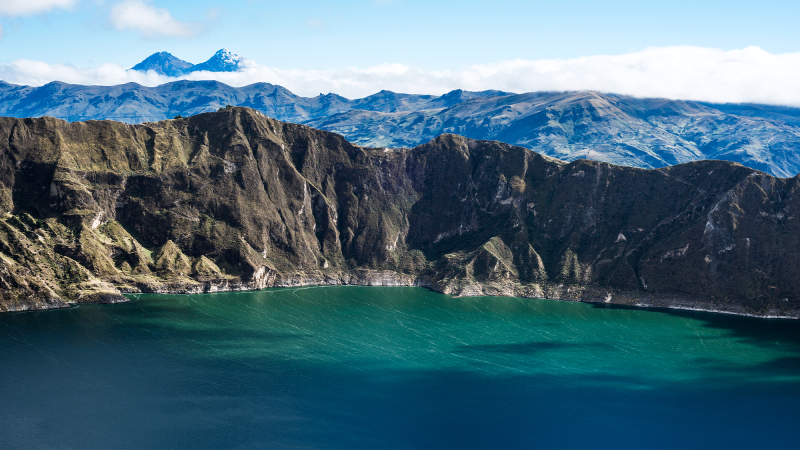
{"x": 236, "y": 200}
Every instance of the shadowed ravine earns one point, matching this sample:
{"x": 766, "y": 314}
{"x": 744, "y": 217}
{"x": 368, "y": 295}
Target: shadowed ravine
{"x": 234, "y": 200}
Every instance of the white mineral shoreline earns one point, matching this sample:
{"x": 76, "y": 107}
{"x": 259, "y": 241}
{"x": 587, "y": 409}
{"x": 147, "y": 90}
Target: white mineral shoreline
{"x": 603, "y": 296}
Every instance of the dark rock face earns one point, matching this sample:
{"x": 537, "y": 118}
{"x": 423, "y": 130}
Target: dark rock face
{"x": 236, "y": 200}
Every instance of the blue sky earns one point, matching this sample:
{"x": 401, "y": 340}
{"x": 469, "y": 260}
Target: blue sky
{"x": 734, "y": 51}
{"x": 435, "y": 35}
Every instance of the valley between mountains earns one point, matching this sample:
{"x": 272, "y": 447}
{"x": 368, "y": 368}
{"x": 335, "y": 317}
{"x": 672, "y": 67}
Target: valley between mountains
{"x": 236, "y": 200}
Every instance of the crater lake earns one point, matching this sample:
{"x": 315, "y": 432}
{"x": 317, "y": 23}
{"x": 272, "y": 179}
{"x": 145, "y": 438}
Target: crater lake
{"x": 393, "y": 367}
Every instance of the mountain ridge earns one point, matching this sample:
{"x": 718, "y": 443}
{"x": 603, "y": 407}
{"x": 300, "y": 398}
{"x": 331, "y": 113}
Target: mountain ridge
{"x": 646, "y": 133}
{"x": 236, "y": 200}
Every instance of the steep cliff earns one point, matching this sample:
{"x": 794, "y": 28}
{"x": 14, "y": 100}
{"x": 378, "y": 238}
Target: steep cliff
{"x": 236, "y": 200}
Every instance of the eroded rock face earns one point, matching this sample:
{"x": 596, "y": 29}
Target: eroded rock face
{"x": 235, "y": 200}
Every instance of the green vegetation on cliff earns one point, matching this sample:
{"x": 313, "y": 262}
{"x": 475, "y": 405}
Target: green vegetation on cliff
{"x": 236, "y": 200}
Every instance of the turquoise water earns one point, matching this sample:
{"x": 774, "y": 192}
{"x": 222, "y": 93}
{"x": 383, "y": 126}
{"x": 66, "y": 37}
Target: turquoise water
{"x": 368, "y": 367}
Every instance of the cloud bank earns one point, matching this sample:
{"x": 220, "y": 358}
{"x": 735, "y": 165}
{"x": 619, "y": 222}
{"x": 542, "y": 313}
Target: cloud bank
{"x": 689, "y": 73}
{"x": 149, "y": 21}
{"x": 27, "y": 7}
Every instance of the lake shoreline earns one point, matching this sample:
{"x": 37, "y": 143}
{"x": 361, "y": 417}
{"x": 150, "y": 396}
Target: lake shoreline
{"x": 454, "y": 288}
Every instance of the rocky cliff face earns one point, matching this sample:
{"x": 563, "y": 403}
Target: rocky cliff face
{"x": 236, "y": 200}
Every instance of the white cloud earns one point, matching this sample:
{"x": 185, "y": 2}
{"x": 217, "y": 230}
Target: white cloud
{"x": 315, "y": 24}
{"x": 26, "y": 7}
{"x": 149, "y": 21}
{"x": 690, "y": 73}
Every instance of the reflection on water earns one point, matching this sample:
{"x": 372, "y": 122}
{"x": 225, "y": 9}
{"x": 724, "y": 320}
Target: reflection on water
{"x": 357, "y": 367}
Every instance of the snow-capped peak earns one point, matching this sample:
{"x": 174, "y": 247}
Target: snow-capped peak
{"x": 164, "y": 63}
{"x": 228, "y": 57}
{"x": 222, "y": 61}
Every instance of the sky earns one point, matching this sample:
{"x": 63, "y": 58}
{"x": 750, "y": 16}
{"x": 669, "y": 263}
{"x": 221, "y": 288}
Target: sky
{"x": 736, "y": 51}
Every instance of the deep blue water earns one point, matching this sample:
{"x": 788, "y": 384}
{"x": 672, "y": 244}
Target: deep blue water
{"x": 367, "y": 367}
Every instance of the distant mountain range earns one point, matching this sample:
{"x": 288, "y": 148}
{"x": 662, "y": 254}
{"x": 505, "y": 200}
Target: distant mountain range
{"x": 165, "y": 63}
{"x": 647, "y": 133}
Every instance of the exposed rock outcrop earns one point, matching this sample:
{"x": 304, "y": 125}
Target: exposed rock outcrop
{"x": 234, "y": 200}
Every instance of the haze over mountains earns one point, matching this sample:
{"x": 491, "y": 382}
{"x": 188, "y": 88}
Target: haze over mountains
{"x": 647, "y": 133}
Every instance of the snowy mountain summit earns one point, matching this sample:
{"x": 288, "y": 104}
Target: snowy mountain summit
{"x": 222, "y": 61}
{"x": 164, "y": 63}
